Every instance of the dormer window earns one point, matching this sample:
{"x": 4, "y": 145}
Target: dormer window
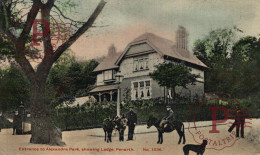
{"x": 108, "y": 75}
{"x": 141, "y": 64}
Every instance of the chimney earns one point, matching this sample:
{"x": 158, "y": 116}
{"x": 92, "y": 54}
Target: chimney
{"x": 111, "y": 50}
{"x": 182, "y": 38}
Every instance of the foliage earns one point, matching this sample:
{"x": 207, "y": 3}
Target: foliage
{"x": 84, "y": 117}
{"x": 71, "y": 118}
{"x": 69, "y": 79}
{"x": 233, "y": 63}
{"x": 215, "y": 47}
{"x": 14, "y": 88}
{"x": 172, "y": 75}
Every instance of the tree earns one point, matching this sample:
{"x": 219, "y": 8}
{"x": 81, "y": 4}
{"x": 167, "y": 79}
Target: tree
{"x": 214, "y": 51}
{"x": 245, "y": 62}
{"x": 69, "y": 79}
{"x": 172, "y": 75}
{"x": 43, "y": 130}
{"x": 215, "y": 47}
{"x": 233, "y": 62}
{"x": 14, "y": 88}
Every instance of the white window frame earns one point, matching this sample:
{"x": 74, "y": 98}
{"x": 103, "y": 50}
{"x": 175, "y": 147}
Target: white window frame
{"x": 140, "y": 89}
{"x": 141, "y": 61}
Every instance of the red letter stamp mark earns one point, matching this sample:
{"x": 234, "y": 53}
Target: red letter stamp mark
{"x": 218, "y": 131}
{"x": 35, "y": 51}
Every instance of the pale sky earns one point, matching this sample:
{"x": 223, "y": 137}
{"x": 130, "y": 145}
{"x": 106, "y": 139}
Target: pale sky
{"x": 125, "y": 20}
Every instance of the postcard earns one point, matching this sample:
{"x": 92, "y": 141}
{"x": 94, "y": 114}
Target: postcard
{"x": 129, "y": 77}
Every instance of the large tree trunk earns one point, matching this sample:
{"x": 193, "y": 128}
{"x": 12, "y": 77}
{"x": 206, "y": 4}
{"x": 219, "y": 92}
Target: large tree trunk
{"x": 43, "y": 129}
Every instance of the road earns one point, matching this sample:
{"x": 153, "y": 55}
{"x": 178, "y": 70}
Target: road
{"x": 92, "y": 142}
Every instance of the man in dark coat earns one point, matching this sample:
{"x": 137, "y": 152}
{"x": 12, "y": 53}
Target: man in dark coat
{"x": 239, "y": 122}
{"x": 1, "y": 121}
{"x": 16, "y": 120}
{"x": 169, "y": 117}
{"x": 131, "y": 122}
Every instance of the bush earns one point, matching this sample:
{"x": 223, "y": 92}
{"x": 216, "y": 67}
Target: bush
{"x": 70, "y": 118}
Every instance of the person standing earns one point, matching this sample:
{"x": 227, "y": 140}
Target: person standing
{"x": 131, "y": 122}
{"x": 15, "y": 122}
{"x": 1, "y": 121}
{"x": 239, "y": 122}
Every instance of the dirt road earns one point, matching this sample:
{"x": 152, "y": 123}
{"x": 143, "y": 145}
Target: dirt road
{"x": 92, "y": 142}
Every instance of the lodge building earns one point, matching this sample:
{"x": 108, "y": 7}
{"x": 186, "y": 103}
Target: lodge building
{"x": 127, "y": 72}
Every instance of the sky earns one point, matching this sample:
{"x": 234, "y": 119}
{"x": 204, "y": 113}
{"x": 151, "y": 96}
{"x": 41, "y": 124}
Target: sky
{"x": 121, "y": 21}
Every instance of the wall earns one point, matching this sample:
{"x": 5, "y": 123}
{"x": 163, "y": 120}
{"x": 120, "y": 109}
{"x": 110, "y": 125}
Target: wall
{"x": 127, "y": 66}
{"x": 156, "y": 90}
{"x": 100, "y": 79}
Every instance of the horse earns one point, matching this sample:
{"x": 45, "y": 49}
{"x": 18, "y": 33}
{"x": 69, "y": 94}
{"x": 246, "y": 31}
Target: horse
{"x": 120, "y": 126}
{"x": 108, "y": 126}
{"x": 178, "y": 125}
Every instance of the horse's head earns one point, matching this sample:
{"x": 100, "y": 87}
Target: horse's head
{"x": 151, "y": 121}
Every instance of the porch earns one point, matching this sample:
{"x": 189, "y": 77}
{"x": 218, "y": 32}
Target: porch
{"x": 105, "y": 94}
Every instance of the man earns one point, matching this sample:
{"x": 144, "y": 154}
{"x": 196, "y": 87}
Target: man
{"x": 15, "y": 122}
{"x": 131, "y": 122}
{"x": 239, "y": 121}
{"x": 169, "y": 117}
{"x": 1, "y": 121}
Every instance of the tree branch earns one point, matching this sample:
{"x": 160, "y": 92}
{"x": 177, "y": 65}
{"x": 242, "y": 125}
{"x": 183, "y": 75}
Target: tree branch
{"x": 20, "y": 45}
{"x": 80, "y": 31}
{"x": 67, "y": 17}
{"x": 48, "y": 48}
{"x": 28, "y": 25}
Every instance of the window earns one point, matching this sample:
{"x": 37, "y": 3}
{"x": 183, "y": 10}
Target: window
{"x": 146, "y": 63}
{"x": 141, "y": 89}
{"x": 141, "y": 64}
{"x": 108, "y": 75}
{"x": 136, "y": 65}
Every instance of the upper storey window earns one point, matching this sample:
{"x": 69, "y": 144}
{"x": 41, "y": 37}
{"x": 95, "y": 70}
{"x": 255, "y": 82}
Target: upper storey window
{"x": 141, "y": 63}
{"x": 108, "y": 75}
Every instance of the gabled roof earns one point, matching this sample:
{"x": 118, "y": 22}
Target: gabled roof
{"x": 164, "y": 47}
{"x": 108, "y": 62}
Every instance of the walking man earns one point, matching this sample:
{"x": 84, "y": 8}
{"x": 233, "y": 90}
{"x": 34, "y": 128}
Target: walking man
{"x": 239, "y": 122}
{"x": 131, "y": 122}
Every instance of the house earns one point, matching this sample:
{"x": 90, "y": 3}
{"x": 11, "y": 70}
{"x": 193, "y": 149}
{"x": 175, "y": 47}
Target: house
{"x": 138, "y": 60}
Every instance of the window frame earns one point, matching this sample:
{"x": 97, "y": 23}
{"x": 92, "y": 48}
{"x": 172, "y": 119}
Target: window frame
{"x": 141, "y": 89}
{"x": 109, "y": 74}
{"x": 139, "y": 62}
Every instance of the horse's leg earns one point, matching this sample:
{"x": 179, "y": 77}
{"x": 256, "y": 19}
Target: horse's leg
{"x": 180, "y": 134}
{"x": 110, "y": 135}
{"x": 105, "y": 135}
{"x": 184, "y": 139}
{"x": 183, "y": 133}
{"x": 123, "y": 132}
{"x": 161, "y": 137}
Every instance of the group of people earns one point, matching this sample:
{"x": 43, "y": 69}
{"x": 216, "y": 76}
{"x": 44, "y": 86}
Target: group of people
{"x": 131, "y": 122}
{"x": 131, "y": 116}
